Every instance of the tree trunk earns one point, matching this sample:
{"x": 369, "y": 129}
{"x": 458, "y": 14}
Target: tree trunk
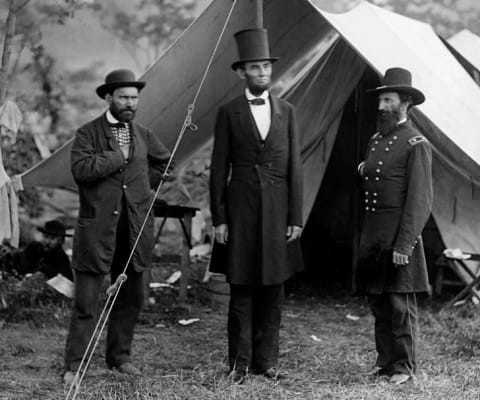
{"x": 7, "y": 51}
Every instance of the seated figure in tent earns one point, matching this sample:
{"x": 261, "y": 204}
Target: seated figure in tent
{"x": 257, "y": 211}
{"x": 398, "y": 195}
{"x": 46, "y": 256}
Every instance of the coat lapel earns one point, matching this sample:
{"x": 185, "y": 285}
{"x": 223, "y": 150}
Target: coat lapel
{"x": 276, "y": 115}
{"x": 246, "y": 120}
{"x": 107, "y": 131}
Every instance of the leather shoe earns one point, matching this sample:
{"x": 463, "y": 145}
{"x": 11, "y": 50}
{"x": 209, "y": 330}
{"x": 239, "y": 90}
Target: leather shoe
{"x": 69, "y": 377}
{"x": 274, "y": 374}
{"x": 400, "y": 379}
{"x": 237, "y": 376}
{"x": 378, "y": 373}
{"x": 129, "y": 369}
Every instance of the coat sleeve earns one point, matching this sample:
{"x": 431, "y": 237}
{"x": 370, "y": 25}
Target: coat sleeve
{"x": 158, "y": 156}
{"x": 88, "y": 165}
{"x": 419, "y": 197}
{"x": 220, "y": 169}
{"x": 295, "y": 176}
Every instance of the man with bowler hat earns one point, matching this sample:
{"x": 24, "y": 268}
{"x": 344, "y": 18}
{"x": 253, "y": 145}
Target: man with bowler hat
{"x": 115, "y": 162}
{"x": 397, "y": 179}
{"x": 256, "y": 204}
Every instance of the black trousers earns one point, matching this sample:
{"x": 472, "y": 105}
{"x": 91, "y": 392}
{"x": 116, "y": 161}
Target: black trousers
{"x": 254, "y": 317}
{"x": 123, "y": 316}
{"x": 396, "y": 330}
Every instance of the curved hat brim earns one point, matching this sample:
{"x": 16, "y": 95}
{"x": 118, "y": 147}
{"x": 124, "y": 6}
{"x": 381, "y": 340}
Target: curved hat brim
{"x": 53, "y": 233}
{"x": 417, "y": 96}
{"x": 102, "y": 90}
{"x": 236, "y": 64}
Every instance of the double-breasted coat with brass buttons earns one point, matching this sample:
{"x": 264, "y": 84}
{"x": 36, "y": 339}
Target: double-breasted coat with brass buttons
{"x": 106, "y": 183}
{"x": 255, "y": 188}
{"x": 398, "y": 196}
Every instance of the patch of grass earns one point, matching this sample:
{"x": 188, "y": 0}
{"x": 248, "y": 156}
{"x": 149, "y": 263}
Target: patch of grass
{"x": 325, "y": 352}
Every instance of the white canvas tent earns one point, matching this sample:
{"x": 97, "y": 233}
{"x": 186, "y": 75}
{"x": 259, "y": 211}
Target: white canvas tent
{"x": 468, "y": 45}
{"x": 327, "y": 61}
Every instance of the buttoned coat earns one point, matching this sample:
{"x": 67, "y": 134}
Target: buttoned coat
{"x": 107, "y": 182}
{"x": 397, "y": 178}
{"x": 256, "y": 189}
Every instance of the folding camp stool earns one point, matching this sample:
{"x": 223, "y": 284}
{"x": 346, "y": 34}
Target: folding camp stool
{"x": 459, "y": 258}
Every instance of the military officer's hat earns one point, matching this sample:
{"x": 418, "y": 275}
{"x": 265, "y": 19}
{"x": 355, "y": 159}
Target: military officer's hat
{"x": 252, "y": 45}
{"x": 399, "y": 80}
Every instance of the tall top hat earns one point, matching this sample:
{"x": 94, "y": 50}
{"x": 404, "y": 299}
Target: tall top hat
{"x": 54, "y": 228}
{"x": 119, "y": 78}
{"x": 399, "y": 80}
{"x": 252, "y": 45}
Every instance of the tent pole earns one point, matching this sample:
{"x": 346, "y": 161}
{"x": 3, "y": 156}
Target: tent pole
{"x": 259, "y": 14}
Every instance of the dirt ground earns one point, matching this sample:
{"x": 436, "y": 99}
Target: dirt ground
{"x": 326, "y": 345}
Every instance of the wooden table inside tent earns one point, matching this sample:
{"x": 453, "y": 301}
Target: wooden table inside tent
{"x": 184, "y": 215}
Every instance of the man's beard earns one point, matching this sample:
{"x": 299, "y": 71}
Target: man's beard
{"x": 387, "y": 121}
{"x": 122, "y": 115}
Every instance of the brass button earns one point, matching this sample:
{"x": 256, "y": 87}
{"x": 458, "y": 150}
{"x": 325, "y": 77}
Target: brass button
{"x": 378, "y": 170}
{"x": 375, "y": 194}
{"x": 377, "y": 178}
{"x": 373, "y": 148}
{"x": 124, "y": 186}
{"x": 115, "y": 212}
{"x": 373, "y": 209}
{"x": 387, "y": 149}
{"x": 380, "y": 163}
{"x": 367, "y": 208}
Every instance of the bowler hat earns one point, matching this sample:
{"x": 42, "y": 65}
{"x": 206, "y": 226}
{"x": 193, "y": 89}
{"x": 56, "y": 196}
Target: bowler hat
{"x": 119, "y": 78}
{"x": 252, "y": 45}
{"x": 399, "y": 80}
{"x": 54, "y": 228}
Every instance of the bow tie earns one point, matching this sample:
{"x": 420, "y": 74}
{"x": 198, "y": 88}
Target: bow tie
{"x": 119, "y": 125}
{"x": 257, "y": 102}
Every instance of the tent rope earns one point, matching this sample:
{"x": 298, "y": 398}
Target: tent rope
{"x": 115, "y": 288}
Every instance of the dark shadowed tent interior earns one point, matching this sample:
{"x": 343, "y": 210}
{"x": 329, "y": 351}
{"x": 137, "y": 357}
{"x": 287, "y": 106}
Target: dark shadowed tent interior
{"x": 327, "y": 62}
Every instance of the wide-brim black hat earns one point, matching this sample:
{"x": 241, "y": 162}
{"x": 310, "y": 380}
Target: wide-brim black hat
{"x": 119, "y": 78}
{"x": 252, "y": 45}
{"x": 54, "y": 228}
{"x": 399, "y": 80}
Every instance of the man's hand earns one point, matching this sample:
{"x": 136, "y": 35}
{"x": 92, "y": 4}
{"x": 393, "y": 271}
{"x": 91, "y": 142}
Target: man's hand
{"x": 221, "y": 233}
{"x": 293, "y": 233}
{"x": 399, "y": 259}
{"x": 125, "y": 150}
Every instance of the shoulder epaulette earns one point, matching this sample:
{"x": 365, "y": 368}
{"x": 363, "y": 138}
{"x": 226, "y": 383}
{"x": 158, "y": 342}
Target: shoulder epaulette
{"x": 417, "y": 139}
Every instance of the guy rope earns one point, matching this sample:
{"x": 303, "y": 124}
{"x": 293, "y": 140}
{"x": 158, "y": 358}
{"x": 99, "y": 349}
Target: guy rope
{"x": 114, "y": 289}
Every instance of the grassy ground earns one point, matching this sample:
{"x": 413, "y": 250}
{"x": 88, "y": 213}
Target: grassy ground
{"x": 188, "y": 362}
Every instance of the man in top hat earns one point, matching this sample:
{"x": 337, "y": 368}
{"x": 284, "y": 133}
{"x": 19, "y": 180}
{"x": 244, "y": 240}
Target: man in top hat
{"x": 256, "y": 204}
{"x": 397, "y": 178}
{"x": 115, "y": 162}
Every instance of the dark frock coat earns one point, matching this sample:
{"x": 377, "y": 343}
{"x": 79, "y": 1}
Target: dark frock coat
{"x": 398, "y": 200}
{"x": 255, "y": 188}
{"x": 107, "y": 182}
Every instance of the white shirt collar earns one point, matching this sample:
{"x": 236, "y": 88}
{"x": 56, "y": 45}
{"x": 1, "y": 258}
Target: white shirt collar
{"x": 250, "y": 96}
{"x": 110, "y": 118}
{"x": 402, "y": 121}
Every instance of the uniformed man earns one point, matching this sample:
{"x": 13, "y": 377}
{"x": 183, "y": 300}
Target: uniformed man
{"x": 256, "y": 203}
{"x": 397, "y": 178}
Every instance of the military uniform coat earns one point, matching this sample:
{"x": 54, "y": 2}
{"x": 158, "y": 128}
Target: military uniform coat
{"x": 398, "y": 197}
{"x": 255, "y": 188}
{"x": 107, "y": 182}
